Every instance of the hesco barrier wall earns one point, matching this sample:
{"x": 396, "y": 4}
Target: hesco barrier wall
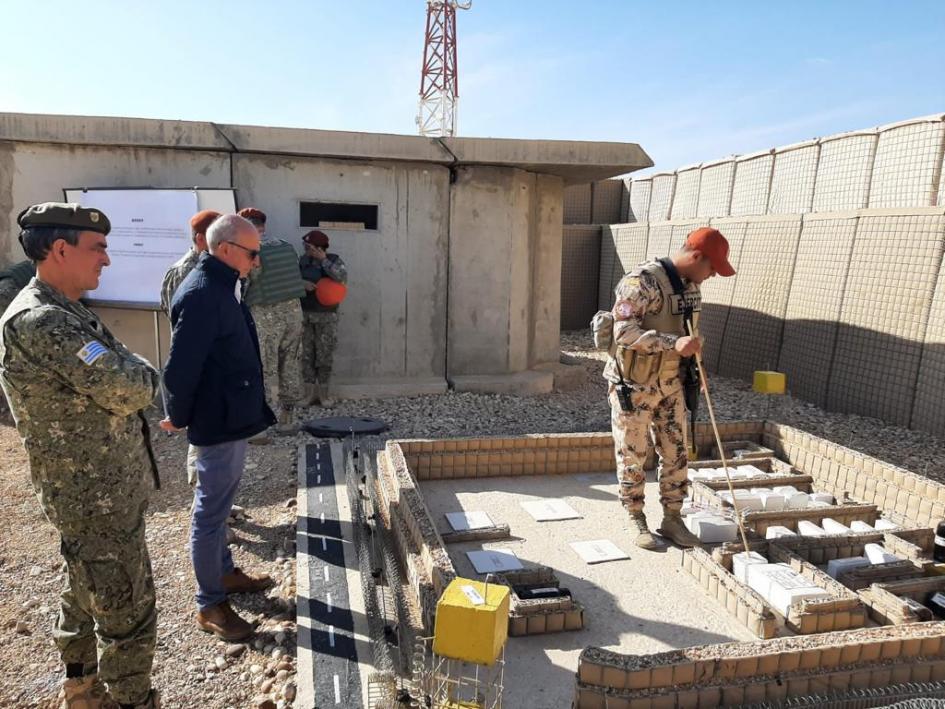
{"x": 838, "y": 245}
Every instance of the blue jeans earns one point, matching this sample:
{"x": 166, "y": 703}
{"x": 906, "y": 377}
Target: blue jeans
{"x": 219, "y": 469}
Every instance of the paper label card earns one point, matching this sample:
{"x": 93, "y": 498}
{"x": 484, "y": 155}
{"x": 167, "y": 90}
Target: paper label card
{"x": 598, "y": 550}
{"x": 550, "y": 509}
{"x": 462, "y": 521}
{"x": 490, "y": 561}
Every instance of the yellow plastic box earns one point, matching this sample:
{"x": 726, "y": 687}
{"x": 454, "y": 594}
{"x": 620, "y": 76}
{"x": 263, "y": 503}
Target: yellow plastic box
{"x": 769, "y": 383}
{"x": 472, "y": 621}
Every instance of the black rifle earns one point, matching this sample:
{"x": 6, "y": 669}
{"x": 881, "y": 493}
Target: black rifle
{"x": 688, "y": 369}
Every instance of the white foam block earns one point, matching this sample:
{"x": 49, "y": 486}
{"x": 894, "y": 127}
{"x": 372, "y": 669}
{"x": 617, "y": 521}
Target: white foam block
{"x": 753, "y": 471}
{"x": 461, "y": 521}
{"x": 598, "y": 550}
{"x": 823, "y": 497}
{"x": 835, "y": 567}
{"x": 883, "y": 525}
{"x": 817, "y": 505}
{"x": 781, "y": 586}
{"x": 878, "y": 555}
{"x": 772, "y": 501}
{"x": 859, "y": 525}
{"x": 832, "y": 526}
{"x": 745, "y": 500}
{"x": 550, "y": 509}
{"x": 713, "y": 529}
{"x": 741, "y": 561}
{"x": 797, "y": 501}
{"x": 777, "y": 530}
{"x": 491, "y": 560}
{"x": 809, "y": 529}
{"x": 785, "y": 489}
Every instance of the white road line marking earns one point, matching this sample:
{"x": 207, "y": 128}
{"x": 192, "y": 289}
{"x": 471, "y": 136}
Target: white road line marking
{"x": 321, "y": 518}
{"x": 331, "y": 635}
{"x": 326, "y": 573}
{"x": 328, "y": 602}
{"x": 337, "y": 691}
{"x": 320, "y": 498}
{"x": 324, "y": 543}
{"x": 319, "y": 479}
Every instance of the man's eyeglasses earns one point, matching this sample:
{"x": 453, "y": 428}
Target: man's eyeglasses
{"x": 253, "y": 253}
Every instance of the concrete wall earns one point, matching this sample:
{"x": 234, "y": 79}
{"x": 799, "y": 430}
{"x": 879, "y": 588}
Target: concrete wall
{"x": 846, "y": 302}
{"x": 392, "y": 324}
{"x": 460, "y": 281}
{"x": 36, "y": 172}
{"x": 505, "y": 271}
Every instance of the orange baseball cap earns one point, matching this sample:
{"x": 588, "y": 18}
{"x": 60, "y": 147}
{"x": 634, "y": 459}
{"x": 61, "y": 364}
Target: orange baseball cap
{"x": 712, "y": 245}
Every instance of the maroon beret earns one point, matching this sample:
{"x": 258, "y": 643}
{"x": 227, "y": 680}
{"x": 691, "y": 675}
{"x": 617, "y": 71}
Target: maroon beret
{"x": 253, "y": 214}
{"x": 201, "y": 221}
{"x": 316, "y": 238}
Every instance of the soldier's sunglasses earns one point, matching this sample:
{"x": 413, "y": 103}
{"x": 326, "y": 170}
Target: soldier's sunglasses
{"x": 253, "y": 253}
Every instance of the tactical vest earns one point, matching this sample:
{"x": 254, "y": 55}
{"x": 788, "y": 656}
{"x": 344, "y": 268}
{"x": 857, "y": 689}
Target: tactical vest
{"x": 662, "y": 368}
{"x": 278, "y": 278}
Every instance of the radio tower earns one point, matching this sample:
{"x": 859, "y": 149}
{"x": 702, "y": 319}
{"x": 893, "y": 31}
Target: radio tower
{"x": 439, "y": 81}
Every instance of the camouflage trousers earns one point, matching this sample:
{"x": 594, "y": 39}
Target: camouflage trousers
{"x": 319, "y": 339}
{"x": 666, "y": 415}
{"x": 279, "y": 327}
{"x": 107, "y": 609}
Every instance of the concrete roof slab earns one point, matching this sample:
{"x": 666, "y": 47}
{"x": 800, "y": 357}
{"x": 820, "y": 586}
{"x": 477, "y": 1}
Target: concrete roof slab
{"x": 574, "y": 161}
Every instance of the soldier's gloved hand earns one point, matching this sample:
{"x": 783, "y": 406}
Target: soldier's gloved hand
{"x": 688, "y": 346}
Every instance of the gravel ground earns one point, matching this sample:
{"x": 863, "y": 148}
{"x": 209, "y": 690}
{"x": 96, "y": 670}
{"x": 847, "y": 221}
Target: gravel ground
{"x": 193, "y": 669}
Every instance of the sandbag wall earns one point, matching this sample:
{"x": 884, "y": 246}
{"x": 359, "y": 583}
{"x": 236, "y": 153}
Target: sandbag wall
{"x": 838, "y": 245}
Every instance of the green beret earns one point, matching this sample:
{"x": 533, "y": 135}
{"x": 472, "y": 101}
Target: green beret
{"x": 64, "y": 216}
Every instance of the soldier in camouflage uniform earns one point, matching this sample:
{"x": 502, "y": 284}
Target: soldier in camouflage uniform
{"x": 13, "y": 279}
{"x": 646, "y": 390}
{"x": 272, "y": 292}
{"x": 175, "y": 275}
{"x": 320, "y": 334}
{"x": 77, "y": 396}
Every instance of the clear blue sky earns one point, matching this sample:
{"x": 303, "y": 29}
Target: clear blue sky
{"x": 689, "y": 81}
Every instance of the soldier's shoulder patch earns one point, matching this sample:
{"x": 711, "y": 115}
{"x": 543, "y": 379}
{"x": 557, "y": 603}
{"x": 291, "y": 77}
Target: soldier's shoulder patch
{"x": 91, "y": 351}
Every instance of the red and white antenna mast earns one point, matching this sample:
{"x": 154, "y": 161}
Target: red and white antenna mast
{"x": 439, "y": 78}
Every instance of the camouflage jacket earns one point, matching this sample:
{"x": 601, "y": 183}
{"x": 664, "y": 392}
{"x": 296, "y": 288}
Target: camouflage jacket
{"x": 638, "y": 294}
{"x": 313, "y": 271}
{"x": 175, "y": 276}
{"x": 77, "y": 396}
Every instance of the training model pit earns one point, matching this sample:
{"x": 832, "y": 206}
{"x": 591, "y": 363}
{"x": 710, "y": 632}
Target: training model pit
{"x": 837, "y": 592}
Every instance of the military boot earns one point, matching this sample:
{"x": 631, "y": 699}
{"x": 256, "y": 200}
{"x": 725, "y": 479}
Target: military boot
{"x": 152, "y": 702}
{"x": 84, "y": 693}
{"x": 674, "y": 529}
{"x": 286, "y": 425}
{"x": 643, "y": 537}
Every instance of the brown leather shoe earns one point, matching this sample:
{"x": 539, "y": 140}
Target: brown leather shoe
{"x": 238, "y": 582}
{"x": 222, "y": 621}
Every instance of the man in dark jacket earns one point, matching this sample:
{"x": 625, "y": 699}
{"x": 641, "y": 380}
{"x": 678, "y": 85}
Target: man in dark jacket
{"x": 214, "y": 384}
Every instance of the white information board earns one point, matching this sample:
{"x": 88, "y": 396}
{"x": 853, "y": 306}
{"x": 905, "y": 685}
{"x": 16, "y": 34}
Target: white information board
{"x": 150, "y": 231}
{"x": 492, "y": 560}
{"x": 598, "y": 551}
{"x": 463, "y": 521}
{"x": 550, "y": 509}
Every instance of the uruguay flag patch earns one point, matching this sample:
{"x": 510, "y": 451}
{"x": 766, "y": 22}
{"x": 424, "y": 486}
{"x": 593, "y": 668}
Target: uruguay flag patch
{"x": 91, "y": 351}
